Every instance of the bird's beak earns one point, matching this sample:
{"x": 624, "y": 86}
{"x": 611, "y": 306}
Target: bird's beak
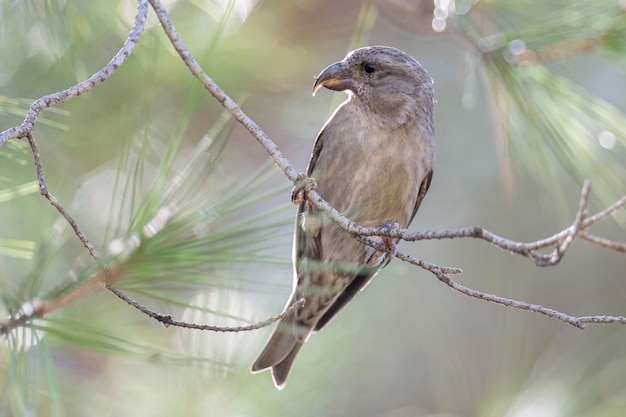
{"x": 334, "y": 77}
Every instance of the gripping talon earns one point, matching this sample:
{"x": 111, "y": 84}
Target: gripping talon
{"x": 380, "y": 257}
{"x": 390, "y": 242}
{"x": 303, "y": 185}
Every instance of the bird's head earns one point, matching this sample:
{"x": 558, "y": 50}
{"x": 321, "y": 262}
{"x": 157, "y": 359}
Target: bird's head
{"x": 386, "y": 80}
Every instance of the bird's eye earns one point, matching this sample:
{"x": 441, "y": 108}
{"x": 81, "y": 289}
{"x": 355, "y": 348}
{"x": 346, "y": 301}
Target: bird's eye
{"x": 369, "y": 67}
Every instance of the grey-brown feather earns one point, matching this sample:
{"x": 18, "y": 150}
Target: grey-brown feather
{"x": 373, "y": 161}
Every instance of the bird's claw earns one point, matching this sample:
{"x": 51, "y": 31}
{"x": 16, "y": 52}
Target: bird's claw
{"x": 391, "y": 245}
{"x": 380, "y": 257}
{"x": 390, "y": 242}
{"x": 302, "y": 186}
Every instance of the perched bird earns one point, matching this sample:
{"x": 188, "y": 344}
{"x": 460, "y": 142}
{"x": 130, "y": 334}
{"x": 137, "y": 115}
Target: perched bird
{"x": 372, "y": 161}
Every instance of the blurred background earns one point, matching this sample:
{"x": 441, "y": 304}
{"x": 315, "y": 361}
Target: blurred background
{"x": 186, "y": 208}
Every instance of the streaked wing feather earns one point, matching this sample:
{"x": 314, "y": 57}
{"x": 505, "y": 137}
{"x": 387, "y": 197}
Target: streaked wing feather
{"x": 346, "y": 295}
{"x": 421, "y": 194}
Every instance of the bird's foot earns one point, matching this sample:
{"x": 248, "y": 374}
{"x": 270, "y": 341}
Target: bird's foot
{"x": 380, "y": 257}
{"x": 390, "y": 242}
{"x": 302, "y": 186}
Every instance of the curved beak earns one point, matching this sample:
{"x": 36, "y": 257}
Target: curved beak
{"x": 334, "y": 77}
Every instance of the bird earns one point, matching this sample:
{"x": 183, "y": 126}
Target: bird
{"x": 373, "y": 161}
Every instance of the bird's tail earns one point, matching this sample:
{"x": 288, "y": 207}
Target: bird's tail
{"x": 280, "y": 350}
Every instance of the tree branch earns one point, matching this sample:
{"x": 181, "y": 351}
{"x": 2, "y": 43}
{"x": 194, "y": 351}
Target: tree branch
{"x": 86, "y": 86}
{"x": 167, "y": 320}
{"x": 559, "y": 242}
{"x": 228, "y": 103}
{"x": 562, "y": 238}
{"x": 43, "y": 190}
{"x": 37, "y": 308}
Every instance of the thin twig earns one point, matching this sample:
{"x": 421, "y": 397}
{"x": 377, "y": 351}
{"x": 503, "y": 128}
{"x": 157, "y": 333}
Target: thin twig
{"x": 428, "y": 266}
{"x": 443, "y": 275}
{"x": 167, "y": 320}
{"x": 560, "y": 241}
{"x": 507, "y": 302}
{"x": 605, "y": 213}
{"x": 600, "y": 241}
{"x": 43, "y": 190}
{"x": 577, "y": 225}
{"x": 228, "y": 103}
{"x": 602, "y": 319}
{"x": 560, "y": 249}
{"x": 86, "y": 86}
{"x": 38, "y": 308}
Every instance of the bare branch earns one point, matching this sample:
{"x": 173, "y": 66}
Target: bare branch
{"x": 84, "y": 87}
{"x": 507, "y": 302}
{"x": 559, "y": 242}
{"x": 578, "y": 322}
{"x": 600, "y": 241}
{"x": 563, "y": 239}
{"x": 43, "y": 190}
{"x": 37, "y": 308}
{"x": 602, "y": 319}
{"x": 428, "y": 266}
{"x": 580, "y": 217}
{"x": 228, "y": 103}
{"x": 605, "y": 213}
{"x": 443, "y": 275}
{"x": 167, "y": 320}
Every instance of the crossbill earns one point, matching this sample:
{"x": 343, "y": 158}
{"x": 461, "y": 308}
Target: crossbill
{"x": 372, "y": 161}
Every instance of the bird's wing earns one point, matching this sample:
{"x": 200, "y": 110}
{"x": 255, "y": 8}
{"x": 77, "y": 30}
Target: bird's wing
{"x": 317, "y": 148}
{"x": 357, "y": 284}
{"x": 304, "y": 242}
{"x": 308, "y": 246}
{"x": 367, "y": 273}
{"x": 422, "y": 193}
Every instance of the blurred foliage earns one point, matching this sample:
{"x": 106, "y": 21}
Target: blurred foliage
{"x": 186, "y": 211}
{"x": 550, "y": 123}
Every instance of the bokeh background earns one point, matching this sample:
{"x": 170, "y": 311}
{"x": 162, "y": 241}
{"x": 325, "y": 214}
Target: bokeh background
{"x": 530, "y": 101}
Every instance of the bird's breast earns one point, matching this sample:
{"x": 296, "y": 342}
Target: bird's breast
{"x": 370, "y": 173}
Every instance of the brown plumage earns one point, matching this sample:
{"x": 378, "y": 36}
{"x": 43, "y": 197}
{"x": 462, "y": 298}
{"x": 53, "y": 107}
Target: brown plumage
{"x": 373, "y": 161}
